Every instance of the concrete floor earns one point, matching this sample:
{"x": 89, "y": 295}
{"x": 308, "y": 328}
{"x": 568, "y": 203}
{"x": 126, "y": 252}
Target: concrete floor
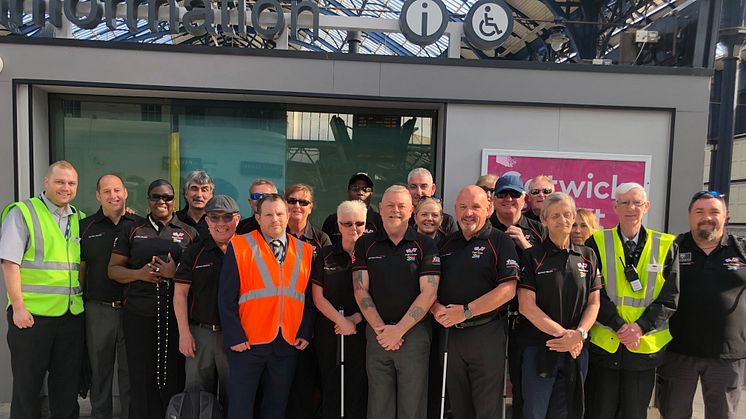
{"x": 698, "y": 407}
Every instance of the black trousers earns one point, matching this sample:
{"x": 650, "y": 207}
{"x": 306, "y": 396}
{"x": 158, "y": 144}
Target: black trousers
{"x": 141, "y": 335}
{"x": 356, "y": 379}
{"x": 305, "y": 391}
{"x": 614, "y": 393}
{"x": 515, "y": 370}
{"x": 476, "y": 370}
{"x": 54, "y": 345}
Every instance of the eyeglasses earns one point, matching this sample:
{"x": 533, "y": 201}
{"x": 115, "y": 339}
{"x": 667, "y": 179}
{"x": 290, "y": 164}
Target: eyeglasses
{"x": 509, "y": 193}
{"x": 358, "y": 188}
{"x": 537, "y": 191}
{"x": 348, "y": 224}
{"x": 257, "y": 196}
{"x": 226, "y": 218}
{"x": 157, "y": 197}
{"x": 635, "y": 204}
{"x": 488, "y": 190}
{"x": 424, "y": 198}
{"x": 301, "y": 202}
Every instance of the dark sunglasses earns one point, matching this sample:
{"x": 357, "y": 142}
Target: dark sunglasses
{"x": 356, "y": 188}
{"x": 156, "y": 197}
{"x": 301, "y": 202}
{"x": 348, "y": 224}
{"x": 509, "y": 192}
{"x": 537, "y": 191}
{"x": 226, "y": 218}
{"x": 257, "y": 196}
{"x": 488, "y": 190}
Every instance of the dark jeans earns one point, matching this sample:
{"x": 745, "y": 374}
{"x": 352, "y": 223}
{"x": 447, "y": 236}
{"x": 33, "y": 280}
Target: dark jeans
{"x": 722, "y": 382}
{"x": 548, "y": 397}
{"x": 140, "y": 332}
{"x": 620, "y": 394}
{"x": 54, "y": 345}
{"x": 397, "y": 380}
{"x": 105, "y": 343}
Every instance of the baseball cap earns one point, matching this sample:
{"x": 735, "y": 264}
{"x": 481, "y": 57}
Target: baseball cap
{"x": 513, "y": 182}
{"x": 221, "y": 203}
{"x": 360, "y": 176}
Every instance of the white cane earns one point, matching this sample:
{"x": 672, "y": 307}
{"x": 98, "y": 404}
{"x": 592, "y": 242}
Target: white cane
{"x": 443, "y": 387}
{"x": 342, "y": 370}
{"x": 505, "y": 371}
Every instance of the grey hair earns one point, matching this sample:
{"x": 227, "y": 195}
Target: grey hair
{"x": 198, "y": 177}
{"x": 420, "y": 171}
{"x": 263, "y": 182}
{"x": 628, "y": 186}
{"x": 554, "y": 198}
{"x": 396, "y": 189}
{"x": 352, "y": 207}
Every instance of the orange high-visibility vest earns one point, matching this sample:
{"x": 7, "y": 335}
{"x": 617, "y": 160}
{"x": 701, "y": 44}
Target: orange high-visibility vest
{"x": 271, "y": 295}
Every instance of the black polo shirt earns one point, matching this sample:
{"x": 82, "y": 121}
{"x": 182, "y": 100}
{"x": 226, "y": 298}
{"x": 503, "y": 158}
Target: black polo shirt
{"x": 534, "y": 231}
{"x": 562, "y": 280}
{"x": 97, "y": 233}
{"x": 710, "y": 321}
{"x": 471, "y": 268}
{"x": 201, "y": 226}
{"x": 247, "y": 225}
{"x": 140, "y": 243}
{"x": 394, "y": 271}
{"x": 199, "y": 268}
{"x": 313, "y": 236}
{"x": 531, "y": 216}
{"x": 447, "y": 227}
{"x": 373, "y": 223}
{"x": 332, "y": 271}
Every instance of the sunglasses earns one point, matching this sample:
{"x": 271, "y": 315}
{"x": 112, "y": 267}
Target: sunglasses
{"x": 348, "y": 224}
{"x": 488, "y": 190}
{"x": 301, "y": 202}
{"x": 257, "y": 196}
{"x": 156, "y": 197}
{"x": 424, "y": 198}
{"x": 509, "y": 193}
{"x": 226, "y": 218}
{"x": 701, "y": 194}
{"x": 545, "y": 191}
{"x": 356, "y": 188}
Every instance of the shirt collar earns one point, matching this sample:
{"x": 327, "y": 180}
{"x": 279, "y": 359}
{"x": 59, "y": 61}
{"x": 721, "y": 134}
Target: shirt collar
{"x": 553, "y": 249}
{"x": 409, "y": 235}
{"x": 639, "y": 238}
{"x": 99, "y": 216}
{"x": 54, "y": 209}
{"x": 283, "y": 239}
{"x": 307, "y": 231}
{"x": 483, "y": 233}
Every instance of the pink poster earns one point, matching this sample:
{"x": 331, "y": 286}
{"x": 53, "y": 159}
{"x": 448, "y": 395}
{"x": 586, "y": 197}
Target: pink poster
{"x": 589, "y": 178}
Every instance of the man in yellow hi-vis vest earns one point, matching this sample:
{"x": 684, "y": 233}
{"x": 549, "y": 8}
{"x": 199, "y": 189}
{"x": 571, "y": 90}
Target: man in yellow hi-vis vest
{"x": 640, "y": 268}
{"x": 40, "y": 253}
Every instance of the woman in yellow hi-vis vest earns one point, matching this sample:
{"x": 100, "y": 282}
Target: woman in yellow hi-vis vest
{"x": 40, "y": 252}
{"x": 641, "y": 275}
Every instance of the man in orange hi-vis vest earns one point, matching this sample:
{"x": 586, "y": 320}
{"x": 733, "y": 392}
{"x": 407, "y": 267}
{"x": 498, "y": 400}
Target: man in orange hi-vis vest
{"x": 265, "y": 311}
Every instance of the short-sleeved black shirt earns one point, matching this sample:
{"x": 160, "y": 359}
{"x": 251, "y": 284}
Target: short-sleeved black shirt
{"x": 373, "y": 223}
{"x": 247, "y": 225}
{"x": 140, "y": 243}
{"x": 562, "y": 280}
{"x": 332, "y": 270}
{"x": 97, "y": 233}
{"x": 315, "y": 237}
{"x": 394, "y": 270}
{"x": 533, "y": 230}
{"x": 199, "y": 268}
{"x": 201, "y": 226}
{"x": 710, "y": 321}
{"x": 470, "y": 269}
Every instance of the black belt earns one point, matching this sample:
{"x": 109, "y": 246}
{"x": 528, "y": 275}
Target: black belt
{"x": 112, "y": 304}
{"x": 480, "y": 321}
{"x": 211, "y": 327}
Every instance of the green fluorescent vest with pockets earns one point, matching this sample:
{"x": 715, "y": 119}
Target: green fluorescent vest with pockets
{"x": 630, "y": 305}
{"x": 50, "y": 265}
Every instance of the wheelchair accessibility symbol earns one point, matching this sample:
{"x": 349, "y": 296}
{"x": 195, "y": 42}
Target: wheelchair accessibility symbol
{"x": 488, "y": 24}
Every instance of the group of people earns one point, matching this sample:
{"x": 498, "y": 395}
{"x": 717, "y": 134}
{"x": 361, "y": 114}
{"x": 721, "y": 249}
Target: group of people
{"x": 402, "y": 300}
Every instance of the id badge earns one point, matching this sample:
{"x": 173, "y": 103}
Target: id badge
{"x": 636, "y": 285}
{"x": 655, "y": 267}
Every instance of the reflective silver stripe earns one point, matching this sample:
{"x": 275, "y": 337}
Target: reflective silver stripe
{"x": 38, "y": 236}
{"x": 662, "y": 329}
{"x": 44, "y": 289}
{"x": 274, "y": 292}
{"x": 635, "y": 302}
{"x": 50, "y": 266}
{"x": 270, "y": 290}
{"x": 296, "y": 269}
{"x": 655, "y": 241}
{"x": 610, "y": 264}
{"x": 261, "y": 264}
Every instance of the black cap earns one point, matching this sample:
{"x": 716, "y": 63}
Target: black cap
{"x": 360, "y": 176}
{"x": 222, "y": 203}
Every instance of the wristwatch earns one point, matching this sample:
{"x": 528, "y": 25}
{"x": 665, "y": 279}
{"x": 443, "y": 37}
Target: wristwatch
{"x": 583, "y": 333}
{"x": 467, "y": 312}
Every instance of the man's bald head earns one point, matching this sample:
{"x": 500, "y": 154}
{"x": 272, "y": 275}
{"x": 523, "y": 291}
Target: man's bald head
{"x": 472, "y": 209}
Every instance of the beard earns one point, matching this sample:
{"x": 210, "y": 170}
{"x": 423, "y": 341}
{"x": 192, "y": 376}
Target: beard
{"x": 706, "y": 235}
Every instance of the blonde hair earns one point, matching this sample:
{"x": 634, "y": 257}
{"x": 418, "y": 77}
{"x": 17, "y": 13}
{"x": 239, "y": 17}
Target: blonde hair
{"x": 487, "y": 180}
{"x": 299, "y": 187}
{"x": 589, "y": 217}
{"x": 425, "y": 201}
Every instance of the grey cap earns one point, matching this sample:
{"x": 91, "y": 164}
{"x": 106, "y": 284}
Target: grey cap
{"x": 221, "y": 203}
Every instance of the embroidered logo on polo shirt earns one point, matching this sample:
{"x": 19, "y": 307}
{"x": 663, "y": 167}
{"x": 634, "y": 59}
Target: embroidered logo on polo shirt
{"x": 177, "y": 236}
{"x": 582, "y": 270}
{"x": 207, "y": 265}
{"x": 477, "y": 252}
{"x": 436, "y": 260}
{"x": 93, "y": 236}
{"x": 411, "y": 254}
{"x": 685, "y": 258}
{"x": 510, "y": 263}
{"x": 138, "y": 236}
{"x": 732, "y": 263}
